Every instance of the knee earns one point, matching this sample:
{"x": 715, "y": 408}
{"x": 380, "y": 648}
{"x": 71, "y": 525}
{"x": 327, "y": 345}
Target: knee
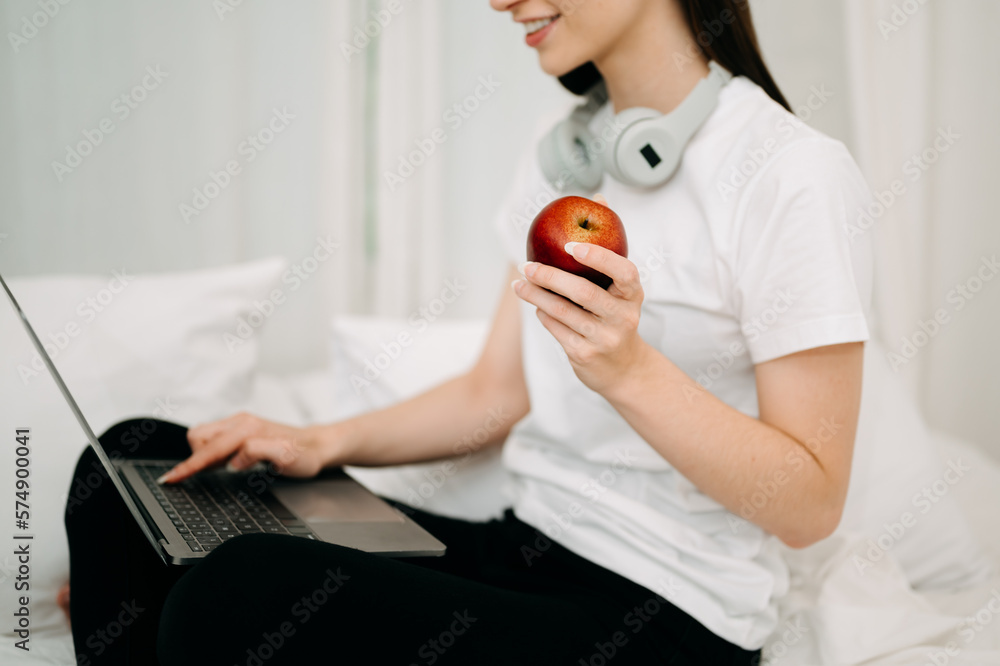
{"x": 185, "y": 619}
{"x": 151, "y": 436}
{"x": 193, "y": 628}
{"x": 88, "y": 478}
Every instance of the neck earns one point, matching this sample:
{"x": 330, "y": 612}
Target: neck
{"x": 655, "y": 65}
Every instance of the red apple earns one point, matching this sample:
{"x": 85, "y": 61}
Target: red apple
{"x": 575, "y": 219}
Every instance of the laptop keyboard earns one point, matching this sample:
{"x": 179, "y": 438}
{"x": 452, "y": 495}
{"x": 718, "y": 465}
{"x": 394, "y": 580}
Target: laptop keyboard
{"x": 206, "y": 510}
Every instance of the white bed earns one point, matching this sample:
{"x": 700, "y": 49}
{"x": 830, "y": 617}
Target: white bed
{"x": 931, "y": 596}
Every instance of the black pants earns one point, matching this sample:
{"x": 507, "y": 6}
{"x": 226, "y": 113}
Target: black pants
{"x": 503, "y": 594}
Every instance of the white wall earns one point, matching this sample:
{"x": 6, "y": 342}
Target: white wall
{"x": 803, "y": 46}
{"x": 961, "y": 379}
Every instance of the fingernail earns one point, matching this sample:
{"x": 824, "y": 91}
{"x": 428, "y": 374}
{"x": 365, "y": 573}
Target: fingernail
{"x": 513, "y": 285}
{"x": 526, "y": 269}
{"x": 570, "y": 245}
{"x": 160, "y": 481}
{"x": 230, "y": 467}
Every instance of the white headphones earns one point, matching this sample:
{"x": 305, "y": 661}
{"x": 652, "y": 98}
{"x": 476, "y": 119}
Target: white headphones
{"x": 645, "y": 148}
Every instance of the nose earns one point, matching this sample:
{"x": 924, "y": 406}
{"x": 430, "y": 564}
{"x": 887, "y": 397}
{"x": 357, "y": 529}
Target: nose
{"x": 504, "y": 5}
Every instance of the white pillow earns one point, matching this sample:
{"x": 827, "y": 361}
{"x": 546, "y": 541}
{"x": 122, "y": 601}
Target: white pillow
{"x": 378, "y": 361}
{"x": 157, "y": 347}
{"x": 386, "y": 358}
{"x": 895, "y": 458}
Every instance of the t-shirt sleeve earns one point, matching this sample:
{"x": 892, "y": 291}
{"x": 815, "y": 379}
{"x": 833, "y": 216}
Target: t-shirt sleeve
{"x": 801, "y": 280}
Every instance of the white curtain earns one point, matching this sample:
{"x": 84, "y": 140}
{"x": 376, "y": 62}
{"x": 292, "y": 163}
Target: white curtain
{"x": 309, "y": 102}
{"x": 409, "y": 136}
{"x": 925, "y": 103}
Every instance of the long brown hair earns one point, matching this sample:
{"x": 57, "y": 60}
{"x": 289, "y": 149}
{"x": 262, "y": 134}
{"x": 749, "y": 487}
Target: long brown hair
{"x": 723, "y": 31}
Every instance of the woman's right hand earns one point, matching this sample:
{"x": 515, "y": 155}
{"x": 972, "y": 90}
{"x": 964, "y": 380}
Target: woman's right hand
{"x": 244, "y": 439}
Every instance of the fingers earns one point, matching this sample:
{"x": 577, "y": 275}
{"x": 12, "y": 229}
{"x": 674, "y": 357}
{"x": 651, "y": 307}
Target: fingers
{"x": 567, "y": 312}
{"x": 197, "y": 461}
{"x": 618, "y": 268}
{"x": 203, "y": 434}
{"x": 243, "y": 440}
{"x": 599, "y": 198}
{"x": 564, "y": 335}
{"x": 241, "y": 455}
{"x": 579, "y": 290}
{"x": 231, "y": 439}
{"x": 212, "y": 443}
{"x": 279, "y": 450}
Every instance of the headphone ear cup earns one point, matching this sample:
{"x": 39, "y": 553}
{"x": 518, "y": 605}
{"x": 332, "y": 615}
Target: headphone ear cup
{"x": 565, "y": 158}
{"x": 625, "y": 160}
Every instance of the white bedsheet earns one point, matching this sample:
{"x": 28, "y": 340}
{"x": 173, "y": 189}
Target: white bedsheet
{"x": 835, "y": 616}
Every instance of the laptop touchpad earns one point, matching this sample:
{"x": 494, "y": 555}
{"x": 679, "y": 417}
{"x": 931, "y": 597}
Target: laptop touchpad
{"x": 336, "y": 501}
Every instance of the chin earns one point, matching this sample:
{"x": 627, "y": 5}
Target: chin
{"x": 557, "y": 65}
{"x": 556, "y": 61}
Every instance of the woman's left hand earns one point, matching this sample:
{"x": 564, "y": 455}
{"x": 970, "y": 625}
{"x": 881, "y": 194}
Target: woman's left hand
{"x": 598, "y": 328}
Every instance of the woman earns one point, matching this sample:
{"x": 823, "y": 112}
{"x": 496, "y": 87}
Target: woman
{"x": 663, "y": 435}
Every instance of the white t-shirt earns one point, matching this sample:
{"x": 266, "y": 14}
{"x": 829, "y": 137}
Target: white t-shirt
{"x": 745, "y": 257}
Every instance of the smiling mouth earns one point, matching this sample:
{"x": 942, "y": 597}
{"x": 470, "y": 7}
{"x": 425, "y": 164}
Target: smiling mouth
{"x": 531, "y": 27}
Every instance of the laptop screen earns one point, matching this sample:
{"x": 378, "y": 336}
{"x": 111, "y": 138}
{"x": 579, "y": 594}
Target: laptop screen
{"x": 91, "y": 437}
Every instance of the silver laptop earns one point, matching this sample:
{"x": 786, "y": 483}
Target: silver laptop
{"x": 186, "y": 521}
